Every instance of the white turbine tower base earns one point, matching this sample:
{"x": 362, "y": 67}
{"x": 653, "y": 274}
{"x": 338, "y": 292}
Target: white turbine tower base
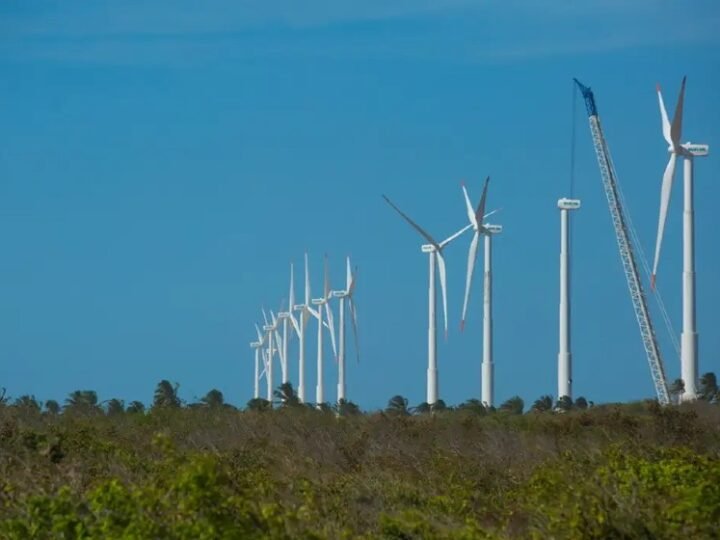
{"x": 564, "y": 353}
{"x": 488, "y": 366}
{"x": 672, "y": 132}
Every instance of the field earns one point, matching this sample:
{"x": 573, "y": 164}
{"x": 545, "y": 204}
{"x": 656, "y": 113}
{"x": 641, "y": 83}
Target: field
{"x": 212, "y": 471}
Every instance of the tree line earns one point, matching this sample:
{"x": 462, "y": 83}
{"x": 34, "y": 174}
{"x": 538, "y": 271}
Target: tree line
{"x": 166, "y": 397}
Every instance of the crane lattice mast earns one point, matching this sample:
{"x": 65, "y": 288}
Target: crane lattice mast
{"x": 627, "y": 255}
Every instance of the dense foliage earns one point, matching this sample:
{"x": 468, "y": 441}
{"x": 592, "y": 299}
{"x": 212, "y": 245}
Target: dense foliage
{"x": 103, "y": 470}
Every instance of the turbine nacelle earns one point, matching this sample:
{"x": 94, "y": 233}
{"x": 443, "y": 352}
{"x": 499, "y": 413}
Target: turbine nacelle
{"x": 283, "y": 315}
{"x": 493, "y": 229}
{"x": 318, "y": 301}
{"x": 256, "y": 344}
{"x": 695, "y": 150}
{"x": 428, "y": 248}
{"x": 268, "y": 327}
{"x": 339, "y": 294}
{"x": 299, "y": 307}
{"x": 568, "y": 204}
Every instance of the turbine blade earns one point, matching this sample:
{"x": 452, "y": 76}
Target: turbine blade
{"x": 295, "y": 325}
{"x": 348, "y": 277}
{"x": 492, "y": 212}
{"x": 414, "y": 225}
{"x": 472, "y": 257}
{"x": 443, "y": 287}
{"x": 664, "y": 118}
{"x": 676, "y": 128}
{"x": 331, "y": 328}
{"x": 264, "y": 316}
{"x": 291, "y": 295}
{"x": 353, "y": 317}
{"x": 313, "y": 312}
{"x": 260, "y": 336}
{"x": 468, "y": 205}
{"x": 479, "y": 213}
{"x": 453, "y": 236}
{"x": 307, "y": 281}
{"x": 326, "y": 279}
{"x": 665, "y": 192}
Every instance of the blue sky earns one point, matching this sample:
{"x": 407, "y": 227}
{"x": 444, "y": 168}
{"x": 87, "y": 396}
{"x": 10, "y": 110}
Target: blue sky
{"x": 162, "y": 163}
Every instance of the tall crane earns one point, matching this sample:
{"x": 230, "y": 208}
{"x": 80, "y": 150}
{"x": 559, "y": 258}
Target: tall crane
{"x": 627, "y": 255}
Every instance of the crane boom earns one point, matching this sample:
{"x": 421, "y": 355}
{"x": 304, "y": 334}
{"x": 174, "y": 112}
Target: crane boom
{"x": 627, "y": 255}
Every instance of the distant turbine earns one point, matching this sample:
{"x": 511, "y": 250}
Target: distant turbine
{"x": 434, "y": 251}
{"x": 476, "y": 217}
{"x": 320, "y": 303}
{"x": 300, "y": 325}
{"x": 346, "y": 294}
{"x": 257, "y": 347}
{"x": 672, "y": 133}
{"x": 565, "y": 354}
{"x": 269, "y": 331}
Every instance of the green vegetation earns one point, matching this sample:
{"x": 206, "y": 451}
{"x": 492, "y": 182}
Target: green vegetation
{"x": 207, "y": 470}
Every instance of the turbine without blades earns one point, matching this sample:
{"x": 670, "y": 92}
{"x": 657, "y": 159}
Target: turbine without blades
{"x": 434, "y": 251}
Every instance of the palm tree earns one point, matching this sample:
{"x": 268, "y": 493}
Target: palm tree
{"x": 27, "y": 403}
{"x": 114, "y": 407}
{"x": 258, "y": 404}
{"x": 82, "y": 400}
{"x": 676, "y": 389}
{"x": 213, "y": 399}
{"x": 473, "y": 405}
{"x": 542, "y": 404}
{"x": 397, "y": 406}
{"x": 581, "y": 403}
{"x": 708, "y": 386}
{"x": 422, "y": 408}
{"x": 52, "y": 407}
{"x": 166, "y": 395}
{"x": 135, "y": 407}
{"x": 439, "y": 406}
{"x": 285, "y": 393}
{"x": 565, "y": 403}
{"x": 514, "y": 405}
{"x": 347, "y": 408}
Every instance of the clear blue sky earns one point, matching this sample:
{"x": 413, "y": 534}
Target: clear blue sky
{"x": 162, "y": 163}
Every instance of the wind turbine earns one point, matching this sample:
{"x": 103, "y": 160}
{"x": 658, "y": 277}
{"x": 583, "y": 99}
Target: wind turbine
{"x": 434, "y": 251}
{"x": 672, "y": 133}
{"x": 269, "y": 330}
{"x": 300, "y": 324}
{"x": 257, "y": 347}
{"x": 320, "y": 303}
{"x": 476, "y": 217}
{"x": 346, "y": 295}
{"x": 564, "y": 354}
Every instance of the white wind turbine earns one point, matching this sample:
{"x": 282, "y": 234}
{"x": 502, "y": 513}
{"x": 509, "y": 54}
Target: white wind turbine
{"x": 269, "y": 355}
{"x": 300, "y": 324}
{"x": 434, "y": 251}
{"x": 257, "y": 347}
{"x": 346, "y": 297}
{"x": 672, "y": 133}
{"x": 320, "y": 303}
{"x": 476, "y": 217}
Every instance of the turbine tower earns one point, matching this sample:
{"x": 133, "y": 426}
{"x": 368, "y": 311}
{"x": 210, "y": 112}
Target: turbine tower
{"x": 320, "y": 303}
{"x": 257, "y": 347}
{"x": 269, "y": 330}
{"x": 476, "y": 217}
{"x": 300, "y": 325}
{"x": 434, "y": 251}
{"x": 346, "y": 297}
{"x": 672, "y": 133}
{"x": 564, "y": 354}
